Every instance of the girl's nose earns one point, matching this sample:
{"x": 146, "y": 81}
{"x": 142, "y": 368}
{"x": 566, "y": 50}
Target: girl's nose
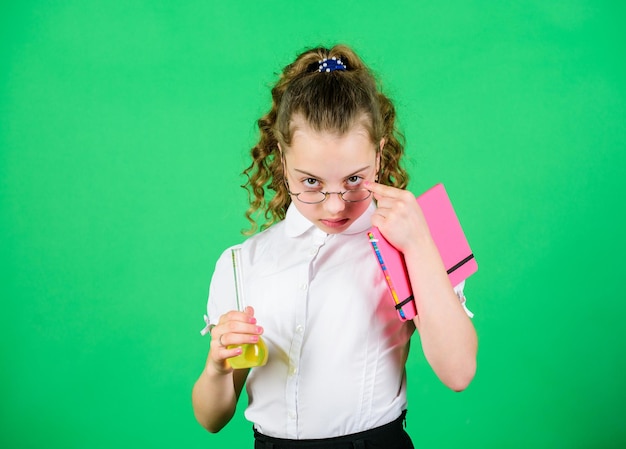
{"x": 334, "y": 204}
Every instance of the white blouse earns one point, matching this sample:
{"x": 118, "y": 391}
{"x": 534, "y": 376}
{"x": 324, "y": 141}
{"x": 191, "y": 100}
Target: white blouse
{"x": 336, "y": 347}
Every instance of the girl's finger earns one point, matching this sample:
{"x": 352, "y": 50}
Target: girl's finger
{"x": 382, "y": 189}
{"x": 379, "y": 189}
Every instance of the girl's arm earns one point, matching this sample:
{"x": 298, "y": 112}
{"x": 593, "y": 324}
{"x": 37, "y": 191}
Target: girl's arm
{"x": 215, "y": 396}
{"x": 448, "y": 337}
{"x": 217, "y": 390}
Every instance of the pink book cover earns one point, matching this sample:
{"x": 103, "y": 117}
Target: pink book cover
{"x": 449, "y": 238}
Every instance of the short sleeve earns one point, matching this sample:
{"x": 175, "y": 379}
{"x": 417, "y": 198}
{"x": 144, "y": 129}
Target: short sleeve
{"x": 222, "y": 296}
{"x": 459, "y": 290}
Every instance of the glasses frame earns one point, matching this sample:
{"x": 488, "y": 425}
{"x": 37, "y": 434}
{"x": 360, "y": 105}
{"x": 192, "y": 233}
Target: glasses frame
{"x": 327, "y": 194}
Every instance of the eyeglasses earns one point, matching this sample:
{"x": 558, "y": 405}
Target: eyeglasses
{"x": 315, "y": 196}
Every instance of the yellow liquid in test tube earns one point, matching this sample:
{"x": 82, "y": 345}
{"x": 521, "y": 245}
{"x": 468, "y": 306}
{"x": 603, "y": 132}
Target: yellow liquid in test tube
{"x": 253, "y": 354}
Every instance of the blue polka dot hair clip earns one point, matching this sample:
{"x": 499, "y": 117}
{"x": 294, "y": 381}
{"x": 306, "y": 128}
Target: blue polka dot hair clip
{"x": 331, "y": 64}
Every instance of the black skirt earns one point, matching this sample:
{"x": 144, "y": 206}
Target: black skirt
{"x": 389, "y": 436}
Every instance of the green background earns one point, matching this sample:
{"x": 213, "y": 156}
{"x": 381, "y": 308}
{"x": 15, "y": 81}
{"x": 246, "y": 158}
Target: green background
{"x": 124, "y": 127}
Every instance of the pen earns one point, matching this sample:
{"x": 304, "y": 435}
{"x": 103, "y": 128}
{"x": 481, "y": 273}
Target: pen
{"x": 381, "y": 262}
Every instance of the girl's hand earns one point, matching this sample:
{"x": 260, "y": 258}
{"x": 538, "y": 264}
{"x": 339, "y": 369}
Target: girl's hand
{"x": 233, "y": 330}
{"x": 398, "y": 216}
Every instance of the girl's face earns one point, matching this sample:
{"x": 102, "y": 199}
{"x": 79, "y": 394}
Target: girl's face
{"x": 326, "y": 162}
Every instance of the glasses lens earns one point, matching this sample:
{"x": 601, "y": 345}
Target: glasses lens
{"x": 311, "y": 197}
{"x": 356, "y": 195}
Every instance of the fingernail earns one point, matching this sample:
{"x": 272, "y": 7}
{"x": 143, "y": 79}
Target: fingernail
{"x": 253, "y": 320}
{"x": 259, "y": 329}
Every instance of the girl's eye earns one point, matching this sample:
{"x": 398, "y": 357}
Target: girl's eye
{"x": 311, "y": 183}
{"x": 354, "y": 181}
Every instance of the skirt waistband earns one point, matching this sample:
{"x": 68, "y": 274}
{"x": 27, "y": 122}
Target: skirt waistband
{"x": 386, "y": 433}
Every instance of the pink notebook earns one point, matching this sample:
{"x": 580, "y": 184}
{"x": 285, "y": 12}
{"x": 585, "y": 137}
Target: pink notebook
{"x": 449, "y": 238}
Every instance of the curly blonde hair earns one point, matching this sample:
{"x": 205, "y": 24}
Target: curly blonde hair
{"x": 332, "y": 102}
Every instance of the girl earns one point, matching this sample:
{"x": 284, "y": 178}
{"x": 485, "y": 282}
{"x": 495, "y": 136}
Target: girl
{"x": 335, "y": 376}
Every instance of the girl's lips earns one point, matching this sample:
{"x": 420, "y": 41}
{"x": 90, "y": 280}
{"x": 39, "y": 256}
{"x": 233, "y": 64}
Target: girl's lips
{"x": 334, "y": 223}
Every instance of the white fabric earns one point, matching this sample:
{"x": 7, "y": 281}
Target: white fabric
{"x": 337, "y": 349}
